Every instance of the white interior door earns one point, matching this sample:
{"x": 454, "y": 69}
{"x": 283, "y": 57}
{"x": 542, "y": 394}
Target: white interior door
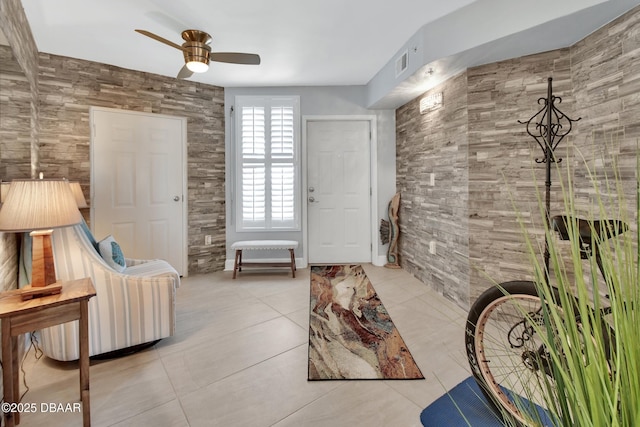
{"x": 339, "y": 191}
{"x": 138, "y": 184}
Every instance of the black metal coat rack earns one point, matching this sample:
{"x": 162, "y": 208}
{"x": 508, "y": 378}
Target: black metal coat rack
{"x": 548, "y": 127}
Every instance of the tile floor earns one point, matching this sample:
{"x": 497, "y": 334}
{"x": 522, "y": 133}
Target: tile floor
{"x": 239, "y": 358}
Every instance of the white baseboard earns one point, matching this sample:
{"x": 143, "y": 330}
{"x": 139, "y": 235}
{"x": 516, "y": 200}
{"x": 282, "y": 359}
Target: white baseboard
{"x": 378, "y": 261}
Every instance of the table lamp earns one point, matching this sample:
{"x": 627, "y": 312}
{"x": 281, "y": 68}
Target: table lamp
{"x": 38, "y": 206}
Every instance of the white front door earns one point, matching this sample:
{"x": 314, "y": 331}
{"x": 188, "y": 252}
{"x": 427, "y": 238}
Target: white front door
{"x": 339, "y": 191}
{"x": 137, "y": 183}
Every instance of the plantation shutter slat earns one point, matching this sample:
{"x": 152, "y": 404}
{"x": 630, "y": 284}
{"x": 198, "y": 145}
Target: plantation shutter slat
{"x": 253, "y": 132}
{"x": 282, "y": 192}
{"x": 282, "y": 131}
{"x": 253, "y": 194}
{"x": 268, "y": 181}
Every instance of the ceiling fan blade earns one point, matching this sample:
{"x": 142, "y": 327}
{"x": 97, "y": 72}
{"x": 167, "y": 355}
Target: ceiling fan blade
{"x": 236, "y": 58}
{"x": 185, "y": 73}
{"x": 158, "y": 38}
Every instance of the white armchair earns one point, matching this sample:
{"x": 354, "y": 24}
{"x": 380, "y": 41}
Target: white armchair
{"x": 130, "y": 308}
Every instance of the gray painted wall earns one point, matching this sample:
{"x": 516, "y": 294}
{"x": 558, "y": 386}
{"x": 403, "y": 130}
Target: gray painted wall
{"x": 316, "y": 101}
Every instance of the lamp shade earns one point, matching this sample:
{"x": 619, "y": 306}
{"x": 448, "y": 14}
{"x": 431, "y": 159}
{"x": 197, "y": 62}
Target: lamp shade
{"x": 4, "y": 189}
{"x": 38, "y": 204}
{"x": 78, "y": 194}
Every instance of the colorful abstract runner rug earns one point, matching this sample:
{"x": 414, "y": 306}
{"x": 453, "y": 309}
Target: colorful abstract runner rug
{"x": 351, "y": 335}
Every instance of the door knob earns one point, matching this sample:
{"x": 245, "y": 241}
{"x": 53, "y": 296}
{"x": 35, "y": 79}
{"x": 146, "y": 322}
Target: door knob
{"x": 312, "y": 199}
{"x": 311, "y": 189}
{"x": 176, "y": 199}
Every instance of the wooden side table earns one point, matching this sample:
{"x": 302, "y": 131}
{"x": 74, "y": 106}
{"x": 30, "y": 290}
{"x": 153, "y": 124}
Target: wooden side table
{"x": 19, "y": 317}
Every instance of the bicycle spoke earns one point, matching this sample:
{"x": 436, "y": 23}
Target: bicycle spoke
{"x": 509, "y": 352}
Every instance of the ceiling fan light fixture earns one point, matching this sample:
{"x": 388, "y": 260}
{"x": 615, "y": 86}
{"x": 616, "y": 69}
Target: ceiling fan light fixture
{"x": 197, "y": 66}
{"x": 197, "y": 52}
{"x": 196, "y": 56}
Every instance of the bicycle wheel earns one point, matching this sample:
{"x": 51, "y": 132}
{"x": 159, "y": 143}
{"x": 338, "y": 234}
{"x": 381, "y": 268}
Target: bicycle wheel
{"x": 506, "y": 355}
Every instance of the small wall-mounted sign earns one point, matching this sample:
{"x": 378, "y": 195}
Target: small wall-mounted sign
{"x": 430, "y": 102}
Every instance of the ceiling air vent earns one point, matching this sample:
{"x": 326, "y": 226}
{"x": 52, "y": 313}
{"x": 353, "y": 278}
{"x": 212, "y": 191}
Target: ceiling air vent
{"x": 402, "y": 62}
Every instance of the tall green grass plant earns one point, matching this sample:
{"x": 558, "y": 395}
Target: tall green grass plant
{"x": 595, "y": 350}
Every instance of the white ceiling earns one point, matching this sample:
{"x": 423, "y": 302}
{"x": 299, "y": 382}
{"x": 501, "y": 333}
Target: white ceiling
{"x": 301, "y": 42}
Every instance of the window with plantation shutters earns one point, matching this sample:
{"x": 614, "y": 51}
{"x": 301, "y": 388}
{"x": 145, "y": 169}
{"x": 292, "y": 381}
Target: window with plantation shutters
{"x": 267, "y": 141}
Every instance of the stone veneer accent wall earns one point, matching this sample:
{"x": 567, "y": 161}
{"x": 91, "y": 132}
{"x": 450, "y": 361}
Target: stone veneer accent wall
{"x": 504, "y": 178}
{"x": 68, "y": 87}
{"x": 605, "y": 71}
{"x": 19, "y": 86}
{"x": 435, "y": 143}
{"x": 18, "y": 117}
{"x": 15, "y": 118}
{"x": 474, "y": 222}
{"x": 15, "y": 149}
{"x": 53, "y": 94}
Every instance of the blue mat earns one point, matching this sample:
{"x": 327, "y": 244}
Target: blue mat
{"x": 465, "y": 405}
{"x": 462, "y": 406}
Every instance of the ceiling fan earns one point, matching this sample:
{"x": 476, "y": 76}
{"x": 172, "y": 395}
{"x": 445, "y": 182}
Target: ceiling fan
{"x": 197, "y": 52}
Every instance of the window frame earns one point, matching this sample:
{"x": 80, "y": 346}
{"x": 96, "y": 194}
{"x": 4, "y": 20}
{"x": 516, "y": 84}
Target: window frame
{"x": 267, "y": 102}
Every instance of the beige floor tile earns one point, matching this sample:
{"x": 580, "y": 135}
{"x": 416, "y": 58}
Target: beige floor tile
{"x": 218, "y": 358}
{"x": 301, "y": 317}
{"x": 170, "y": 415}
{"x": 239, "y": 358}
{"x": 259, "y": 396}
{"x": 357, "y": 403}
{"x": 202, "y": 326}
{"x": 119, "y": 390}
{"x": 290, "y": 300}
{"x": 120, "y": 394}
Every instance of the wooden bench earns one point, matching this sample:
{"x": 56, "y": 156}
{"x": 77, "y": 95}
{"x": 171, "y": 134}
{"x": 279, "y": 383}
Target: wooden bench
{"x": 289, "y": 245}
